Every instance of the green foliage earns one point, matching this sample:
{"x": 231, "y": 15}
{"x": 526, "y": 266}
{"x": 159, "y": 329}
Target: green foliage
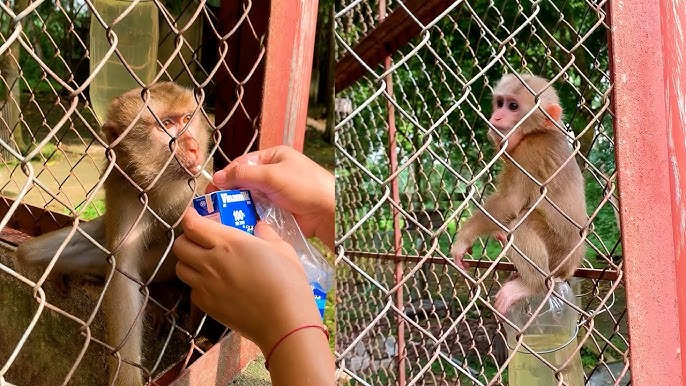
{"x": 95, "y": 209}
{"x": 589, "y": 359}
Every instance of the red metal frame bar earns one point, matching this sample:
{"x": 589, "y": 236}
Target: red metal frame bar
{"x": 384, "y": 40}
{"x": 397, "y": 233}
{"x": 29, "y": 220}
{"x": 278, "y": 90}
{"x": 644, "y": 67}
{"x": 586, "y": 273}
{"x": 673, "y": 18}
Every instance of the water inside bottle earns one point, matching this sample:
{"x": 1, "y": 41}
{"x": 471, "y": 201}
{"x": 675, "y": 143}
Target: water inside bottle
{"x": 526, "y": 369}
{"x": 138, "y": 35}
{"x": 551, "y": 334}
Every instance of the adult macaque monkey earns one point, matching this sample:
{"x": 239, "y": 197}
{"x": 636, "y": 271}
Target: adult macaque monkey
{"x": 549, "y": 237}
{"x": 161, "y": 154}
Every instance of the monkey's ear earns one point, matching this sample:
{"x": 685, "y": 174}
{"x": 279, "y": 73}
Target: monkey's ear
{"x": 109, "y": 131}
{"x": 555, "y": 112}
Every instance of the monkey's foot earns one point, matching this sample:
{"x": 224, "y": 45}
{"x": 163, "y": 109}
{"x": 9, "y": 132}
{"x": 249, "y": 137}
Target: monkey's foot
{"x": 509, "y": 294}
{"x": 458, "y": 251}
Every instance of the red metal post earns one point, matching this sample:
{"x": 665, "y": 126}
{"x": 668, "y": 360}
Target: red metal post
{"x": 397, "y": 237}
{"x": 673, "y": 19}
{"x": 644, "y": 72}
{"x": 290, "y": 42}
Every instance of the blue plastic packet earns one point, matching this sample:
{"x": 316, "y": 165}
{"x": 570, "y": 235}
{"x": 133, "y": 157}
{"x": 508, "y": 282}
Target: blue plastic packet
{"x": 234, "y": 208}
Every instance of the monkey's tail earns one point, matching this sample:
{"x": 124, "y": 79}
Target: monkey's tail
{"x": 79, "y": 255}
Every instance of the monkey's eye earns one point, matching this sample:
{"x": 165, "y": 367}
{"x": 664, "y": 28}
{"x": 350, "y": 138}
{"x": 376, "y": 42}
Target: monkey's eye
{"x": 499, "y": 102}
{"x": 168, "y": 123}
{"x": 186, "y": 118}
{"x": 513, "y": 106}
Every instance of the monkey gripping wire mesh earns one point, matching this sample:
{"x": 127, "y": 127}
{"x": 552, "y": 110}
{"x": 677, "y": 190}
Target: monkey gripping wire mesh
{"x": 413, "y": 84}
{"x": 53, "y": 160}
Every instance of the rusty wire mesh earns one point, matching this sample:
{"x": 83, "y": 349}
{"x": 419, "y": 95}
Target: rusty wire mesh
{"x": 50, "y": 334}
{"x": 405, "y": 314}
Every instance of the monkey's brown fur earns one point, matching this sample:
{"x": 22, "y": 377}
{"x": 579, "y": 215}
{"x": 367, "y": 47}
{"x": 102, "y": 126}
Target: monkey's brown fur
{"x": 546, "y": 236}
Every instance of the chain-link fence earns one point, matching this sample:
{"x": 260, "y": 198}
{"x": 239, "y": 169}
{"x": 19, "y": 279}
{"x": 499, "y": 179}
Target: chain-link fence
{"x": 414, "y": 82}
{"x": 61, "y": 62}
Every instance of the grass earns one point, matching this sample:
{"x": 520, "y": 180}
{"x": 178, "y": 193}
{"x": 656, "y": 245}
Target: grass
{"x": 93, "y": 210}
{"x": 48, "y": 154}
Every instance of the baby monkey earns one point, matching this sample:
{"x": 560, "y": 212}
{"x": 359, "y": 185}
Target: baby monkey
{"x": 160, "y": 147}
{"x": 548, "y": 239}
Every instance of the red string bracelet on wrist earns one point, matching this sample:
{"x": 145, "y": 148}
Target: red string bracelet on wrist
{"x": 278, "y": 342}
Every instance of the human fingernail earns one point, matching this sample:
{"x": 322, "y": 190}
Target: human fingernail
{"x": 219, "y": 178}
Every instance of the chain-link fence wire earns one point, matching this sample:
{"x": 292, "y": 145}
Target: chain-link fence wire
{"x": 411, "y": 136}
{"x": 53, "y": 155}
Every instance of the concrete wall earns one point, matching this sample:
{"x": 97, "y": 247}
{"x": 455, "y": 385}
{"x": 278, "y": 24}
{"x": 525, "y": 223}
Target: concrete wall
{"x": 55, "y": 343}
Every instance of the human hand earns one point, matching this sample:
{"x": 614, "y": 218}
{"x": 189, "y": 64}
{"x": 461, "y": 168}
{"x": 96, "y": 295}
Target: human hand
{"x": 291, "y": 181}
{"x": 254, "y": 285}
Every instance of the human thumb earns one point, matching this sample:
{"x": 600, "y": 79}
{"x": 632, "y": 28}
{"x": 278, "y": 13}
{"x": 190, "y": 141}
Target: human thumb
{"x": 265, "y": 231}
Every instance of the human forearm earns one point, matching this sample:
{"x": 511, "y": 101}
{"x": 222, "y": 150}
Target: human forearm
{"x": 303, "y": 358}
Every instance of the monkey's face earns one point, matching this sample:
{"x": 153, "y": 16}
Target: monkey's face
{"x": 508, "y": 111}
{"x": 184, "y": 136}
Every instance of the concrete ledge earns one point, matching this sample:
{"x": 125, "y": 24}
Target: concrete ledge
{"x": 220, "y": 365}
{"x": 54, "y": 345}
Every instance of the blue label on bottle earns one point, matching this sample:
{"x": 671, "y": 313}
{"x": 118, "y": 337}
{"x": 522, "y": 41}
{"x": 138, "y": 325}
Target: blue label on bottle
{"x": 234, "y": 208}
{"x": 319, "y": 297}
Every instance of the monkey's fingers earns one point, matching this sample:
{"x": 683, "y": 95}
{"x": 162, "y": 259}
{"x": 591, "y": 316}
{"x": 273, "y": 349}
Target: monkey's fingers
{"x": 458, "y": 251}
{"x": 500, "y": 236}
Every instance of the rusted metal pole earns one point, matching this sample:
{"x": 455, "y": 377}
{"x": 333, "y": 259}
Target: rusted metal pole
{"x": 397, "y": 237}
{"x": 645, "y": 49}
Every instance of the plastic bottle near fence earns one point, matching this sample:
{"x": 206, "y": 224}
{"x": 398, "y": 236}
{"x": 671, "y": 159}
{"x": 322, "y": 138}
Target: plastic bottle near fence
{"x": 138, "y": 38}
{"x": 552, "y": 334}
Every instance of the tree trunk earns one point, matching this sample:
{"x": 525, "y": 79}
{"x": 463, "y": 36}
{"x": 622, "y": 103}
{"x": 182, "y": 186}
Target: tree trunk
{"x": 330, "y": 79}
{"x": 10, "y": 127}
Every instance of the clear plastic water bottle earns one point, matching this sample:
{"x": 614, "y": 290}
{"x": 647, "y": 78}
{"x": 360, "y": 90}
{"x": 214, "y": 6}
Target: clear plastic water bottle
{"x": 137, "y": 41}
{"x": 551, "y": 334}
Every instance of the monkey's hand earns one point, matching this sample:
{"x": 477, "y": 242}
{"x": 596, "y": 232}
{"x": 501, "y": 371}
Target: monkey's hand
{"x": 500, "y": 236}
{"x": 458, "y": 250}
